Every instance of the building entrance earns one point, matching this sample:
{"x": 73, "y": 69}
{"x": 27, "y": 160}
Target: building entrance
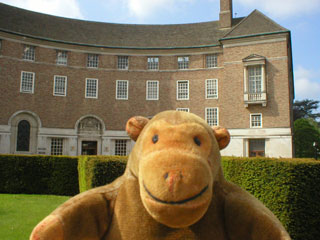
{"x": 89, "y": 148}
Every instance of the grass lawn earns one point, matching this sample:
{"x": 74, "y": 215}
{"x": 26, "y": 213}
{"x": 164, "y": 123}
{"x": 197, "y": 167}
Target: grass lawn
{"x": 19, "y": 213}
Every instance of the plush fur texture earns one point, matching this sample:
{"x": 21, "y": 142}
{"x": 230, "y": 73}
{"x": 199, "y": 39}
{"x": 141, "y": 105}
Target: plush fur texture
{"x": 173, "y": 188}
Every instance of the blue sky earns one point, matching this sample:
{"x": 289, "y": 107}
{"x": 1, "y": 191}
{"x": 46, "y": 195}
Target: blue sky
{"x": 302, "y": 18}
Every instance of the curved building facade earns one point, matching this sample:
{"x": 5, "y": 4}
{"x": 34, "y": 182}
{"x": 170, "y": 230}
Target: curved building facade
{"x": 69, "y": 86}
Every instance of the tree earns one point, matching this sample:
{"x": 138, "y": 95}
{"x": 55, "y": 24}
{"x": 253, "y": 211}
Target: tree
{"x": 305, "y": 109}
{"x": 306, "y": 135}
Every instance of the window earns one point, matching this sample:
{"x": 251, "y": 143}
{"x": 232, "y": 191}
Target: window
{"x": 254, "y": 79}
{"x": 152, "y": 90}
{"x": 256, "y": 147}
{"x": 60, "y": 86}
{"x": 57, "y": 146}
{"x": 183, "y": 62}
{"x": 183, "y": 90}
{"x": 29, "y": 53}
{"x": 91, "y": 88}
{"x": 183, "y": 109}
{"x": 153, "y": 63}
{"x": 123, "y": 62}
{"x": 62, "y": 57}
{"x": 211, "y": 88}
{"x": 122, "y": 89}
{"x": 27, "y": 82}
{"x": 120, "y": 147}
{"x": 256, "y": 120}
{"x": 92, "y": 60}
{"x": 23, "y": 136}
{"x": 212, "y": 116}
{"x": 211, "y": 61}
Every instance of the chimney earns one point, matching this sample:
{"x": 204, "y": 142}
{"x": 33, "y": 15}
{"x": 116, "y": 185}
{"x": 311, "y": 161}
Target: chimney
{"x": 225, "y": 19}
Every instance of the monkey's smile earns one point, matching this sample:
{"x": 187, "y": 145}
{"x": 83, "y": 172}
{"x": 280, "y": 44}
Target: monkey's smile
{"x": 176, "y": 202}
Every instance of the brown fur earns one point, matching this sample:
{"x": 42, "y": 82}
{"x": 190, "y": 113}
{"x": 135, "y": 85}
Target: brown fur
{"x": 173, "y": 188}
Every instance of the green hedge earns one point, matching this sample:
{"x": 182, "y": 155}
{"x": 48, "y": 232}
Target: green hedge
{"x": 290, "y": 188}
{"x": 34, "y": 174}
{"x": 96, "y": 171}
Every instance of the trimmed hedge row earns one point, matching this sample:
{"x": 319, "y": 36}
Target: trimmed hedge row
{"x": 34, "y": 174}
{"x": 96, "y": 171}
{"x": 290, "y": 188}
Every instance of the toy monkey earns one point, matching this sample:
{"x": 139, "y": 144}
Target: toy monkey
{"x": 173, "y": 188}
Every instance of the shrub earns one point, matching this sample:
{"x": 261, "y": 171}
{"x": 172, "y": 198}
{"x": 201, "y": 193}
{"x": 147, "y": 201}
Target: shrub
{"x": 290, "y": 188}
{"x": 34, "y": 174}
{"x": 96, "y": 171}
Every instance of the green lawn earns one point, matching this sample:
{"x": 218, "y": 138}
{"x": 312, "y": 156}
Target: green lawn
{"x": 19, "y": 213}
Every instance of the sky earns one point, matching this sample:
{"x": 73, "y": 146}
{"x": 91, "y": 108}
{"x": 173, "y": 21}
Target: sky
{"x": 302, "y": 18}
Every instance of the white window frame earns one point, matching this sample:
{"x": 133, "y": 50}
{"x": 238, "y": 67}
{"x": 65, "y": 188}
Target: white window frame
{"x": 55, "y": 92}
{"x": 183, "y": 109}
{"x": 188, "y": 89}
{"x": 213, "y": 120}
{"x": 148, "y": 90}
{"x": 21, "y": 82}
{"x": 62, "y": 57}
{"x": 123, "y": 142}
{"x": 211, "y": 61}
{"x": 92, "y": 60}
{"x": 120, "y": 96}
{"x": 29, "y": 53}
{"x": 252, "y": 121}
{"x": 97, "y": 88}
{"x": 254, "y": 79}
{"x": 153, "y": 63}
{"x": 211, "y": 87}
{"x": 123, "y": 62}
{"x": 59, "y": 146}
{"x": 183, "y": 62}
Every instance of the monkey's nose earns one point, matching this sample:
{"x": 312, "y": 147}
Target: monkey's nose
{"x": 172, "y": 178}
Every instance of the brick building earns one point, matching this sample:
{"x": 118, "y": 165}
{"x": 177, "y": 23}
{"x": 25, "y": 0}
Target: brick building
{"x": 68, "y": 86}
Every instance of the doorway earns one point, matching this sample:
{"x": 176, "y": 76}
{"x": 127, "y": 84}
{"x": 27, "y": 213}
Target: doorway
{"x": 89, "y": 147}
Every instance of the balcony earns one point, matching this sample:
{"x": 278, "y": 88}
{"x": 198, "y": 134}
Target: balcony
{"x": 255, "y": 98}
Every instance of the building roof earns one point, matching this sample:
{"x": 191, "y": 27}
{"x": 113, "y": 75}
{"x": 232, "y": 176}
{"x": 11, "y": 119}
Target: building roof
{"x": 72, "y": 31}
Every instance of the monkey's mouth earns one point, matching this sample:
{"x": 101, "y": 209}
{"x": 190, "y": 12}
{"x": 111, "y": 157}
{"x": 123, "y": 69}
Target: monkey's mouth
{"x": 176, "y": 202}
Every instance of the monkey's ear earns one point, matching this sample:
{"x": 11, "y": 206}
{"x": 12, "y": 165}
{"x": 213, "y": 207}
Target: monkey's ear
{"x": 135, "y": 125}
{"x": 222, "y": 135}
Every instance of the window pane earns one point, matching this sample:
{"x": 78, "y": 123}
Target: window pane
{"x": 183, "y": 62}
{"x": 122, "y": 89}
{"x": 120, "y": 147}
{"x": 211, "y": 61}
{"x": 27, "y": 82}
{"x": 60, "y": 83}
{"x": 153, "y": 63}
{"x": 56, "y": 146}
{"x": 212, "y": 116}
{"x": 29, "y": 53}
{"x": 93, "y": 60}
{"x": 62, "y": 57}
{"x": 183, "y": 90}
{"x": 183, "y": 109}
{"x": 255, "y": 79}
{"x": 256, "y": 147}
{"x": 23, "y": 136}
{"x": 91, "y": 88}
{"x": 123, "y": 62}
{"x": 211, "y": 88}
{"x": 256, "y": 120}
{"x": 152, "y": 90}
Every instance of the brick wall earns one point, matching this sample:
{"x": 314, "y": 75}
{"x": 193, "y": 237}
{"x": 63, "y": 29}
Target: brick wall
{"x": 63, "y": 112}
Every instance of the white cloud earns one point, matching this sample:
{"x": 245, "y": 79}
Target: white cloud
{"x": 305, "y": 85}
{"x": 64, "y": 8}
{"x": 145, "y": 8}
{"x": 283, "y": 8}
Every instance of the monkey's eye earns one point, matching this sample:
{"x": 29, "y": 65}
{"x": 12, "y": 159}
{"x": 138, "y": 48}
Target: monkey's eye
{"x": 197, "y": 141}
{"x": 155, "y": 138}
